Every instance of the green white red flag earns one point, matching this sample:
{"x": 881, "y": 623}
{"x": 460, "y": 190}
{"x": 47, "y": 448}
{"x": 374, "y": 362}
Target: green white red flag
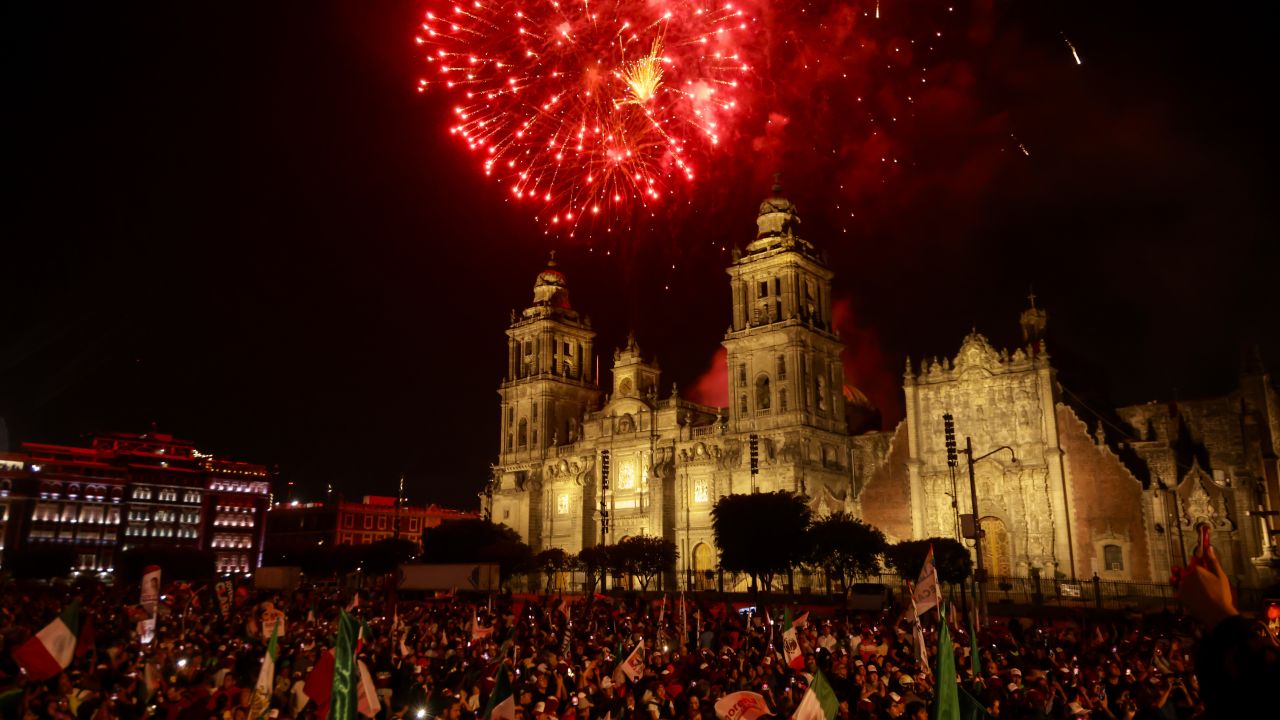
{"x": 53, "y": 648}
{"x": 819, "y": 701}
{"x": 260, "y": 700}
{"x": 502, "y": 701}
{"x": 791, "y": 642}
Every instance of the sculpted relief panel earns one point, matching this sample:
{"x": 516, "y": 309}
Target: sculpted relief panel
{"x": 993, "y": 410}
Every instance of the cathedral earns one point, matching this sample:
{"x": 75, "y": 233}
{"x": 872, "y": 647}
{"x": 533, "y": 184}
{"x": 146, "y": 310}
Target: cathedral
{"x": 1124, "y": 499}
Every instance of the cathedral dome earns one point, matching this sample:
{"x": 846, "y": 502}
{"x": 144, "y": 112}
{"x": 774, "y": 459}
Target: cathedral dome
{"x": 551, "y": 287}
{"x": 777, "y": 216}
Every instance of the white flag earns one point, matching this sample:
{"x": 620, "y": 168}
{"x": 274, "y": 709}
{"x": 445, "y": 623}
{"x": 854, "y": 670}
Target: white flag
{"x": 925, "y": 594}
{"x": 367, "y": 703}
{"x": 633, "y": 666}
{"x": 478, "y": 632}
{"x": 741, "y": 705}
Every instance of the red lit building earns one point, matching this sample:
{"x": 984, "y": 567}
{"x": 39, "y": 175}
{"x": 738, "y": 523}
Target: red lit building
{"x": 378, "y": 518}
{"x": 297, "y": 527}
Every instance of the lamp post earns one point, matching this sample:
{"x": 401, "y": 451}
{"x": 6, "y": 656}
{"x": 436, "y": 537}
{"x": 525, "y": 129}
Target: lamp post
{"x": 952, "y": 452}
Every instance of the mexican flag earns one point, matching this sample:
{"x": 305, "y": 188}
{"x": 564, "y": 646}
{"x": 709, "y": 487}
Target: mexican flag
{"x": 260, "y": 701}
{"x": 338, "y": 678}
{"x": 791, "y": 643}
{"x": 502, "y": 702}
{"x": 819, "y": 701}
{"x": 52, "y": 649}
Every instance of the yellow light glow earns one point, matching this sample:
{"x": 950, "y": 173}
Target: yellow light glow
{"x": 644, "y": 76}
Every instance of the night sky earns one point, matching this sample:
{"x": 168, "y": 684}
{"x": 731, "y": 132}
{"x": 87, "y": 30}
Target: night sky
{"x": 241, "y": 222}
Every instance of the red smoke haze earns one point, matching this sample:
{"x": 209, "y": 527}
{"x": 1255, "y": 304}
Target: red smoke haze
{"x": 865, "y": 367}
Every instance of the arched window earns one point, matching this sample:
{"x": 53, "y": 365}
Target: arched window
{"x": 782, "y": 367}
{"x": 764, "y": 395}
{"x": 1113, "y": 556}
{"x": 523, "y": 434}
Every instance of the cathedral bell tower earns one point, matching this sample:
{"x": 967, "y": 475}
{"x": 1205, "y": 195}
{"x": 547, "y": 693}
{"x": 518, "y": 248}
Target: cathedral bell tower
{"x": 550, "y": 382}
{"x": 783, "y": 354}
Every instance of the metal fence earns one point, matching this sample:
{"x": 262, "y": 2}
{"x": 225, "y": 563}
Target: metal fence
{"x": 814, "y": 587}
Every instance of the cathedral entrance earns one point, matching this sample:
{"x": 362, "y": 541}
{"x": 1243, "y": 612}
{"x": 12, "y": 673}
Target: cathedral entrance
{"x": 997, "y": 555}
{"x": 704, "y": 566}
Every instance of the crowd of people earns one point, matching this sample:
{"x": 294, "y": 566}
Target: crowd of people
{"x": 441, "y": 657}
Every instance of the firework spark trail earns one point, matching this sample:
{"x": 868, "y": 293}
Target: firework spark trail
{"x": 550, "y": 101}
{"x": 1074, "y": 54}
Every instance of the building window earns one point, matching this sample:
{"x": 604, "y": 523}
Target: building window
{"x": 1113, "y": 556}
{"x": 742, "y": 405}
{"x": 764, "y": 288}
{"x": 782, "y": 367}
{"x": 368, "y": 522}
{"x": 141, "y": 493}
{"x": 382, "y": 523}
{"x": 764, "y": 395}
{"x": 782, "y": 399}
{"x": 523, "y": 433}
{"x": 742, "y": 374}
{"x": 506, "y": 514}
{"x": 346, "y": 521}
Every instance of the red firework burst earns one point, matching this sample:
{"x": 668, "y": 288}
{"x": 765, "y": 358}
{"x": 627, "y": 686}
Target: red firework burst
{"x": 587, "y": 109}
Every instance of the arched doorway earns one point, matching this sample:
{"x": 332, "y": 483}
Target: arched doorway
{"x": 704, "y": 565}
{"x": 997, "y": 555}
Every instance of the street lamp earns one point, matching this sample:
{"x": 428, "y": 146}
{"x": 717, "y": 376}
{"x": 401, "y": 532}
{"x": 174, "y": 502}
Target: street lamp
{"x": 981, "y": 573}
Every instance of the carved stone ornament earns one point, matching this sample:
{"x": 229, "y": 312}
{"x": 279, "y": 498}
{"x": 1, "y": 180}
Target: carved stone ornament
{"x": 976, "y": 352}
{"x": 1199, "y": 508}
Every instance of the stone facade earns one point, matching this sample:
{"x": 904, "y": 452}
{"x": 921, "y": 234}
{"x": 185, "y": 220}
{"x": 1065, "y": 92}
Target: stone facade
{"x": 1054, "y": 498}
{"x": 670, "y": 458}
{"x": 1214, "y": 462}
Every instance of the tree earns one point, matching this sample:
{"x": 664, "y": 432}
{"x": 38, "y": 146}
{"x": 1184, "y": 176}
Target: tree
{"x": 761, "y": 534}
{"x": 552, "y": 561}
{"x": 845, "y": 547}
{"x": 951, "y": 558}
{"x": 41, "y": 563}
{"x": 594, "y": 561}
{"x": 643, "y": 557}
{"x": 467, "y": 541}
{"x": 176, "y": 563}
{"x": 386, "y": 556}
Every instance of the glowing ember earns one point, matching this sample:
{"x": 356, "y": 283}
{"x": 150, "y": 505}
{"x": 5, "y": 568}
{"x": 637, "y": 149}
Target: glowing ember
{"x": 587, "y": 109}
